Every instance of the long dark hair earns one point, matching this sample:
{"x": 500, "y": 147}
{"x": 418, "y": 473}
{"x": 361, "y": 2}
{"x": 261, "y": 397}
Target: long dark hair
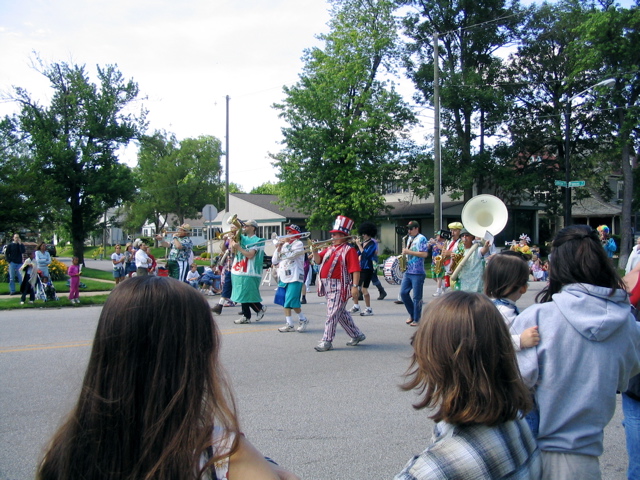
{"x": 577, "y": 256}
{"x": 464, "y": 365}
{"x": 505, "y": 274}
{"x": 152, "y": 390}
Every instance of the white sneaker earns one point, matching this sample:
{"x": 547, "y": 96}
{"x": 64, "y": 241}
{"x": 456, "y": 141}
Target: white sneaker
{"x": 438, "y": 293}
{"x": 367, "y": 312}
{"x": 355, "y": 309}
{"x": 303, "y": 325}
{"x": 287, "y": 328}
{"x": 242, "y": 320}
{"x": 261, "y": 313}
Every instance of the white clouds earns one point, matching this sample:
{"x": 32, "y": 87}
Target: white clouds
{"x": 186, "y": 56}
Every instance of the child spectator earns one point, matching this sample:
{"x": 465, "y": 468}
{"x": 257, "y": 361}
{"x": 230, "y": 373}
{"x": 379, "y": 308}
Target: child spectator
{"x": 74, "y": 283}
{"x": 210, "y": 282}
{"x": 465, "y": 370}
{"x": 49, "y": 290}
{"x": 193, "y": 276}
{"x": 29, "y": 277}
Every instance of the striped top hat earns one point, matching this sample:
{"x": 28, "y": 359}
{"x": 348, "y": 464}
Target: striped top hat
{"x": 342, "y": 225}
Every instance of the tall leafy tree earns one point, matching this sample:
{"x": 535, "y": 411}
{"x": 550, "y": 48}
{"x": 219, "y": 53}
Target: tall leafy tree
{"x": 539, "y": 79}
{"x": 176, "y": 177}
{"x": 470, "y": 37}
{"x": 607, "y": 44}
{"x": 347, "y": 127}
{"x": 74, "y": 140}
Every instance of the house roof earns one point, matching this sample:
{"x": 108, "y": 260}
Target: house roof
{"x": 595, "y": 206}
{"x": 269, "y": 202}
{"x": 405, "y": 209}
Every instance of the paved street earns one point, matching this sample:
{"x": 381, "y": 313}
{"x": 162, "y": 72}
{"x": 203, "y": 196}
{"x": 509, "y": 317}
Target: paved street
{"x": 332, "y": 415}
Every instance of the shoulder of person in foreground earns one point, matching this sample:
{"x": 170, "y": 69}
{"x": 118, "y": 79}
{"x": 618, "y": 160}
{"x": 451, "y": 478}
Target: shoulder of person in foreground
{"x": 247, "y": 462}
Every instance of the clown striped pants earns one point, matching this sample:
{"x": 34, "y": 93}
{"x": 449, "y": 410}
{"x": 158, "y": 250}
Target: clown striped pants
{"x": 336, "y": 311}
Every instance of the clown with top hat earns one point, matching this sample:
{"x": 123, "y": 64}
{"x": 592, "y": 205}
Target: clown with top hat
{"x": 339, "y": 277}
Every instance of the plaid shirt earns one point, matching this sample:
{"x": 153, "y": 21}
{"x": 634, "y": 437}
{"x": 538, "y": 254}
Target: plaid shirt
{"x": 470, "y": 452}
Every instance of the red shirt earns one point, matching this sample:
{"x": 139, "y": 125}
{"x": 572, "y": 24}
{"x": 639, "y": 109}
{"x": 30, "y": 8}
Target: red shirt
{"x": 353, "y": 263}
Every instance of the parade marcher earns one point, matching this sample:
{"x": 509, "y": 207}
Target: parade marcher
{"x": 435, "y": 247}
{"x": 452, "y": 249}
{"x": 523, "y": 246}
{"x": 375, "y": 281}
{"x": 471, "y": 273}
{"x": 180, "y": 254}
{"x": 246, "y": 272}
{"x": 13, "y": 254}
{"x": 339, "y": 277}
{"x": 289, "y": 258}
{"x": 415, "y": 251}
{"x": 608, "y": 243}
{"x": 366, "y": 251}
{"x": 226, "y": 261}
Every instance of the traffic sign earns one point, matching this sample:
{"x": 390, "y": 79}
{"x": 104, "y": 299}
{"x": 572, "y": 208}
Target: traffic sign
{"x": 560, "y": 183}
{"x": 577, "y": 183}
{"x": 209, "y": 212}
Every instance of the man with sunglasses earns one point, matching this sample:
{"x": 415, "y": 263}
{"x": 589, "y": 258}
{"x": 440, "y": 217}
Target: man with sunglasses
{"x": 415, "y": 250}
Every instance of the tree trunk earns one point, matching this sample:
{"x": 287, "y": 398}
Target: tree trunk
{"x": 77, "y": 229}
{"x": 626, "y": 239}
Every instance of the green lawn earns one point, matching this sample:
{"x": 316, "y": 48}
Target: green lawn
{"x": 12, "y": 303}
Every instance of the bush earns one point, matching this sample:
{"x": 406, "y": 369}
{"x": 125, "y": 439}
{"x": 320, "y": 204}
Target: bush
{"x": 57, "y": 270}
{"x": 4, "y": 271}
{"x": 205, "y": 255}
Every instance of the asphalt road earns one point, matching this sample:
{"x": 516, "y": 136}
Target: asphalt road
{"x": 332, "y": 415}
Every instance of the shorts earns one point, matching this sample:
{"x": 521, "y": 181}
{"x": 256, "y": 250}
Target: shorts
{"x": 365, "y": 278}
{"x": 292, "y": 294}
{"x": 118, "y": 273}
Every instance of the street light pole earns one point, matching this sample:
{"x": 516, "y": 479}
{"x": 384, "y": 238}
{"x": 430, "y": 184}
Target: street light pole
{"x": 567, "y": 146}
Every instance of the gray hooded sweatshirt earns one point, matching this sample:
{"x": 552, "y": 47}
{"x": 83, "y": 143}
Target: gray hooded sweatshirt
{"x": 589, "y": 348}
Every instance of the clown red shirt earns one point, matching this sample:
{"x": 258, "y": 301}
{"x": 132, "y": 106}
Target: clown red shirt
{"x": 353, "y": 262}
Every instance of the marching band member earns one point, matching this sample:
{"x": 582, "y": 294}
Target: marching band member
{"x": 435, "y": 247}
{"x": 454, "y": 247}
{"x": 289, "y": 258}
{"x": 180, "y": 254}
{"x": 339, "y": 278}
{"x": 227, "y": 263}
{"x": 246, "y": 272}
{"x": 413, "y": 279}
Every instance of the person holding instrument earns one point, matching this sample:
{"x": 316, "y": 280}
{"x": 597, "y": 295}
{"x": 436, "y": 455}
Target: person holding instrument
{"x": 339, "y": 278}
{"x": 155, "y": 402}
{"x": 180, "y": 254}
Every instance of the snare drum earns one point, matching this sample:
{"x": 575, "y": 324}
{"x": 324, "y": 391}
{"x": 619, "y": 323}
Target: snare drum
{"x": 392, "y": 273}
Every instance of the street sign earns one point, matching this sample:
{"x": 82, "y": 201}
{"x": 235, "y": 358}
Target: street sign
{"x": 560, "y": 183}
{"x": 209, "y": 212}
{"x": 577, "y": 183}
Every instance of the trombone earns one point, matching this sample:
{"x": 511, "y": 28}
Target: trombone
{"x": 315, "y": 246}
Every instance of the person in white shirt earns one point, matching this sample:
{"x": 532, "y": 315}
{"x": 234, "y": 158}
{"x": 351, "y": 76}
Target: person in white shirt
{"x": 143, "y": 262}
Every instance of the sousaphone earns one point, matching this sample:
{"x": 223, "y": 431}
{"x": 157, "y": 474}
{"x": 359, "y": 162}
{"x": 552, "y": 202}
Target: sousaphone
{"x": 484, "y": 213}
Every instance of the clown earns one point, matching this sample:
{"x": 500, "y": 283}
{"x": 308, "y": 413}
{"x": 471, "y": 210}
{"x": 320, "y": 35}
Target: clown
{"x": 608, "y": 243}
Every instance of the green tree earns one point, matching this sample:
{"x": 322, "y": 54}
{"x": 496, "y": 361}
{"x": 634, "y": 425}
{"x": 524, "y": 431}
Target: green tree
{"x": 73, "y": 142}
{"x": 176, "y": 178}
{"x": 471, "y": 35}
{"x": 267, "y": 188}
{"x": 537, "y": 85}
{"x": 607, "y": 45}
{"x": 347, "y": 126}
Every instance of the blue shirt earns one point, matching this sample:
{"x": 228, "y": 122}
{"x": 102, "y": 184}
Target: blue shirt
{"x": 415, "y": 264}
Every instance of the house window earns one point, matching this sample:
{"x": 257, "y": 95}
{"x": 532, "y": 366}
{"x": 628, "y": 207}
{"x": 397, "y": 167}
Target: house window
{"x": 197, "y": 232}
{"x": 393, "y": 187}
{"x": 620, "y": 195}
{"x": 267, "y": 231}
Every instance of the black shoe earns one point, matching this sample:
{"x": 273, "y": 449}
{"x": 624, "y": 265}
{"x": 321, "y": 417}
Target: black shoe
{"x": 398, "y": 302}
{"x": 383, "y": 294}
{"x": 304, "y": 300}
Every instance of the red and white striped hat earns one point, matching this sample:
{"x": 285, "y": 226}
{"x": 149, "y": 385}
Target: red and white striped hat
{"x": 342, "y": 225}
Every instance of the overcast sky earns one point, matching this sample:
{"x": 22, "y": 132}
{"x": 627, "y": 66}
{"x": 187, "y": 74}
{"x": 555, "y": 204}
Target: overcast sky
{"x": 185, "y": 56}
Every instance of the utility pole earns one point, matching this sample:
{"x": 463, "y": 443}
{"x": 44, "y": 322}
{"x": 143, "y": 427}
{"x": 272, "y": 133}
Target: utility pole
{"x": 437, "y": 158}
{"x": 226, "y": 200}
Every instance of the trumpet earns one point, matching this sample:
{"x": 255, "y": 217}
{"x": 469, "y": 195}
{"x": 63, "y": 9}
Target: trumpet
{"x": 314, "y": 246}
{"x": 277, "y": 239}
{"x": 220, "y": 236}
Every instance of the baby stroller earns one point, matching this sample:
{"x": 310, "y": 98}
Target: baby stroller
{"x": 38, "y": 288}
{"x": 49, "y": 291}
